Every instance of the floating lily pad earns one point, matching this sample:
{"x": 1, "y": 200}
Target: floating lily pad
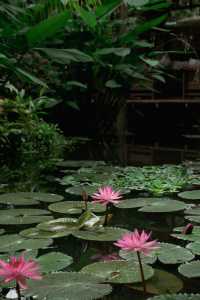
{"x": 101, "y": 234}
{"x": 193, "y": 211}
{"x": 74, "y": 207}
{"x": 137, "y": 202}
{"x": 14, "y": 242}
{"x": 190, "y": 195}
{"x": 68, "y": 285}
{"x": 194, "y": 247}
{"x": 195, "y": 219}
{"x": 131, "y": 255}
{"x": 176, "y": 297}
{"x": 78, "y": 190}
{"x": 162, "y": 282}
{"x": 193, "y": 237}
{"x": 35, "y": 233}
{"x": 173, "y": 254}
{"x": 164, "y": 206}
{"x": 46, "y": 197}
{"x": 119, "y": 271}
{"x": 16, "y": 220}
{"x": 18, "y": 199}
{"x": 190, "y": 270}
{"x": 59, "y": 225}
{"x": 20, "y": 212}
{"x": 54, "y": 261}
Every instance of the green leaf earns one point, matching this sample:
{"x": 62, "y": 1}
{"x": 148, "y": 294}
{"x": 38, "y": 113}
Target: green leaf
{"x": 108, "y": 234}
{"x": 47, "y": 28}
{"x": 107, "y": 8}
{"x": 161, "y": 283}
{"x": 112, "y": 84}
{"x": 165, "y": 206}
{"x": 176, "y": 297}
{"x": 190, "y": 270}
{"x": 30, "y": 77}
{"x": 173, "y": 254}
{"x": 193, "y": 237}
{"x": 65, "y": 56}
{"x": 34, "y": 233}
{"x": 88, "y": 17}
{"x": 151, "y": 62}
{"x": 117, "y": 51}
{"x": 136, "y": 3}
{"x": 67, "y": 207}
{"x": 190, "y": 195}
{"x": 194, "y": 247}
{"x": 131, "y": 255}
{"x": 68, "y": 286}
{"x": 118, "y": 271}
{"x": 54, "y": 261}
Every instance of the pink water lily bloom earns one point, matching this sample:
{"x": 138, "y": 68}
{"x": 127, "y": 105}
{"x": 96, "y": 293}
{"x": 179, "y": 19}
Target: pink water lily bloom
{"x": 19, "y": 269}
{"x": 106, "y": 195}
{"x": 137, "y": 242}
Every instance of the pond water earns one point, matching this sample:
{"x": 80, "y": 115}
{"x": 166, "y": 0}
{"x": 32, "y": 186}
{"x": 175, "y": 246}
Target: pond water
{"x": 138, "y": 209}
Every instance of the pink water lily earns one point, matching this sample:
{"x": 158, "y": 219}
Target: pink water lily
{"x": 137, "y": 242}
{"x": 19, "y": 269}
{"x": 106, "y": 195}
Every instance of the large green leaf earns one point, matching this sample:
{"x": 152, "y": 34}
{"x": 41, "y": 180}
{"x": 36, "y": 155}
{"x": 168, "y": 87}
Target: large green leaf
{"x": 107, "y": 8}
{"x": 75, "y": 207}
{"x": 68, "y": 286}
{"x": 190, "y": 270}
{"x": 132, "y": 255}
{"x": 29, "y": 77}
{"x": 162, "y": 282}
{"x": 118, "y": 271}
{"x": 101, "y": 234}
{"x": 66, "y": 56}
{"x": 14, "y": 242}
{"x": 35, "y": 233}
{"x": 194, "y": 247}
{"x": 88, "y": 17}
{"x": 54, "y": 261}
{"x": 193, "y": 237}
{"x": 164, "y": 206}
{"x": 47, "y": 29}
{"x": 173, "y": 254}
{"x": 190, "y": 195}
{"x": 176, "y": 297}
{"x": 136, "y": 3}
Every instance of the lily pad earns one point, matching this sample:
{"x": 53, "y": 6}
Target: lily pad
{"x": 190, "y": 195}
{"x": 59, "y": 225}
{"x": 78, "y": 190}
{"x": 35, "y": 233}
{"x": 20, "y": 212}
{"x": 194, "y": 247}
{"x": 164, "y": 206}
{"x": 193, "y": 211}
{"x": 137, "y": 202}
{"x": 75, "y": 207}
{"x": 18, "y": 199}
{"x": 176, "y": 297}
{"x": 193, "y": 237}
{"x": 173, "y": 254}
{"x": 54, "y": 261}
{"x": 16, "y": 220}
{"x": 101, "y": 234}
{"x": 68, "y": 286}
{"x": 119, "y": 271}
{"x": 162, "y": 282}
{"x": 46, "y": 197}
{"x": 14, "y": 242}
{"x": 195, "y": 219}
{"x": 190, "y": 270}
{"x": 131, "y": 255}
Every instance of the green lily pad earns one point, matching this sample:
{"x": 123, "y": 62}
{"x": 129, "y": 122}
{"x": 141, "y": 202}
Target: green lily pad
{"x": 68, "y": 286}
{"x": 46, "y": 197}
{"x": 16, "y": 220}
{"x": 18, "y": 199}
{"x": 136, "y": 202}
{"x": 67, "y": 207}
{"x": 14, "y": 242}
{"x": 101, "y": 234}
{"x": 176, "y": 297}
{"x": 194, "y": 247}
{"x": 20, "y": 212}
{"x": 78, "y": 190}
{"x": 118, "y": 271}
{"x": 193, "y": 237}
{"x": 61, "y": 224}
{"x": 164, "y": 206}
{"x": 195, "y": 219}
{"x": 54, "y": 261}
{"x": 190, "y": 270}
{"x": 162, "y": 282}
{"x": 34, "y": 233}
{"x": 193, "y": 211}
{"x": 131, "y": 255}
{"x": 173, "y": 254}
{"x": 190, "y": 195}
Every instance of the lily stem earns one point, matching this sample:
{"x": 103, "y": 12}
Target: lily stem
{"x": 106, "y": 216}
{"x": 18, "y": 291}
{"x": 141, "y": 272}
